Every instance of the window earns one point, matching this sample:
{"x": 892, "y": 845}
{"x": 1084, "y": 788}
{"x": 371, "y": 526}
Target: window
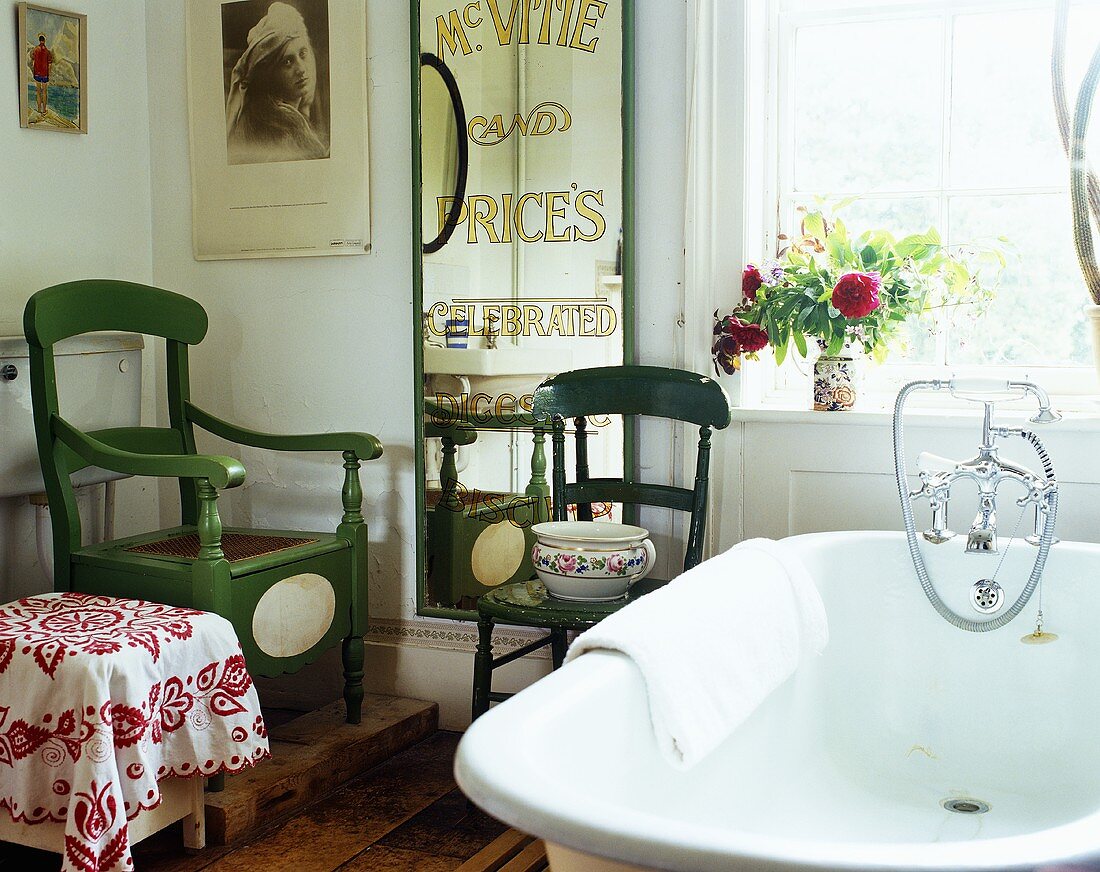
{"x": 939, "y": 113}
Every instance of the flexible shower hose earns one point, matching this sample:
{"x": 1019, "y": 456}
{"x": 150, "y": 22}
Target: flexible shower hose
{"x": 1045, "y": 539}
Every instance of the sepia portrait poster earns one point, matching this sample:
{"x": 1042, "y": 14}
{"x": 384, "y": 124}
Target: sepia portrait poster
{"x": 53, "y": 88}
{"x": 278, "y": 121}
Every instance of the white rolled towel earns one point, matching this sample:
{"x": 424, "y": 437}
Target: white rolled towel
{"x": 715, "y": 641}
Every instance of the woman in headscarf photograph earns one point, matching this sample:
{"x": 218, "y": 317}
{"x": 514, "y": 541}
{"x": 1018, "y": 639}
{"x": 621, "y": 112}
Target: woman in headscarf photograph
{"x": 277, "y": 87}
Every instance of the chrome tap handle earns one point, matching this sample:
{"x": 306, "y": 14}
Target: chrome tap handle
{"x": 1036, "y": 493}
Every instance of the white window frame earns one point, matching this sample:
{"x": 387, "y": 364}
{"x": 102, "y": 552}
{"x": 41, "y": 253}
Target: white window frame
{"x": 766, "y": 384}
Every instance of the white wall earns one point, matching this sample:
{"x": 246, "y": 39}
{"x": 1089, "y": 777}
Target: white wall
{"x": 75, "y": 206}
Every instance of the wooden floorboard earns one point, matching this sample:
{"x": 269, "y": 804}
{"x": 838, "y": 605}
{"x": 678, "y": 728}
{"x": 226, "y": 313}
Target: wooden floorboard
{"x": 510, "y": 852}
{"x": 451, "y": 826}
{"x": 379, "y": 858}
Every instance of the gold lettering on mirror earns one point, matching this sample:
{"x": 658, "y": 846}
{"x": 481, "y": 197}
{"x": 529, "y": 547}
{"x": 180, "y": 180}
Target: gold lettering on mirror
{"x": 498, "y": 220}
{"x": 528, "y": 282}
{"x": 546, "y": 118}
{"x": 451, "y": 26}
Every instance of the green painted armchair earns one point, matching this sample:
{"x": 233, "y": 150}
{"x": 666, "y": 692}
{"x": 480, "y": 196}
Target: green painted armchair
{"x": 290, "y": 595}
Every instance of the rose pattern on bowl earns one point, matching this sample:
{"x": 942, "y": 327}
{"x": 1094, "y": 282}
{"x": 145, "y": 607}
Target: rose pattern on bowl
{"x": 614, "y": 564}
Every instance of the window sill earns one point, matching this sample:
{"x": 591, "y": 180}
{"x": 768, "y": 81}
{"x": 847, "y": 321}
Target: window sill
{"x": 1081, "y": 419}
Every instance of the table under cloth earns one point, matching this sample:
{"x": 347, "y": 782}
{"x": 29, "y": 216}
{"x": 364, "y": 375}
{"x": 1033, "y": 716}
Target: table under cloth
{"x": 100, "y": 698}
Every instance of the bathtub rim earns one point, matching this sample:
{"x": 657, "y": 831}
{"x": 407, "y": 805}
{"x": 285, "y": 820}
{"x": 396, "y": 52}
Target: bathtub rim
{"x": 518, "y": 793}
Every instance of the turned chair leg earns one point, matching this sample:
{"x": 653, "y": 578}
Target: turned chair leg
{"x": 558, "y": 646}
{"x": 353, "y": 678}
{"x": 483, "y": 668}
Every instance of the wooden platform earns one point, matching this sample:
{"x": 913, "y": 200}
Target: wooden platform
{"x": 512, "y": 852}
{"x": 312, "y": 756}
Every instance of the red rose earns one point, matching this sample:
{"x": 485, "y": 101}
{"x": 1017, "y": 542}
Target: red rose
{"x": 751, "y": 337}
{"x": 856, "y": 294}
{"x": 751, "y": 281}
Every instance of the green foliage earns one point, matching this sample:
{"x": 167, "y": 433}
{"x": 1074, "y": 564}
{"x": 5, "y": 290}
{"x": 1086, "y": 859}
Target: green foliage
{"x": 920, "y": 278}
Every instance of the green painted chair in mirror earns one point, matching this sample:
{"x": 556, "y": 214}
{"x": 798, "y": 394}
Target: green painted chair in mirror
{"x": 477, "y": 540}
{"x": 579, "y": 395}
{"x": 290, "y": 595}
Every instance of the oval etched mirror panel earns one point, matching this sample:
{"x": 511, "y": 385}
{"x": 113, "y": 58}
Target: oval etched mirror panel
{"x": 532, "y": 277}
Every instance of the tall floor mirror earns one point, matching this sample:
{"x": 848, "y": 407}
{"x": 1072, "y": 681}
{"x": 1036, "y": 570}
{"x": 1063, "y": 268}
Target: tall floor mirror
{"x": 523, "y": 194}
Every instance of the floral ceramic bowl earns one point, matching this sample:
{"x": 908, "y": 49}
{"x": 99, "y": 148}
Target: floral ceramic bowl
{"x": 591, "y": 561}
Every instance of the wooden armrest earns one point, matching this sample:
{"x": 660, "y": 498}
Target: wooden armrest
{"x": 365, "y": 446}
{"x": 222, "y": 472}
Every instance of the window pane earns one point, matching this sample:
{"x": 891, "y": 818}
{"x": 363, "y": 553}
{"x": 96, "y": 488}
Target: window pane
{"x": 867, "y": 101}
{"x": 1036, "y": 318}
{"x": 901, "y": 216}
{"x": 1003, "y": 128}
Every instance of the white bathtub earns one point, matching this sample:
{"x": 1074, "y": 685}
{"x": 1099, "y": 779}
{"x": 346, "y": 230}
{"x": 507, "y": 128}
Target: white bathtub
{"x": 846, "y": 765}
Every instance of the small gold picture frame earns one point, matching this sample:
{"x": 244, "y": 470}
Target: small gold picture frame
{"x": 53, "y": 75}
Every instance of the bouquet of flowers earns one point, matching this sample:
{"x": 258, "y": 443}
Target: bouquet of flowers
{"x": 850, "y": 292}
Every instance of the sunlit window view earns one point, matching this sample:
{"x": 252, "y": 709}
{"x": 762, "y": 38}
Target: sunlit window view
{"x": 945, "y": 118}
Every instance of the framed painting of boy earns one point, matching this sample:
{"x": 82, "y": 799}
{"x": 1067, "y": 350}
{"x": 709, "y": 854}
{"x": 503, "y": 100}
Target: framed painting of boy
{"x": 53, "y": 93}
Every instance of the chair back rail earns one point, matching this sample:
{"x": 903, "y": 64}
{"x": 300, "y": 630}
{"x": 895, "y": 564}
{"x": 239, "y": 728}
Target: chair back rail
{"x": 634, "y": 390}
{"x": 91, "y": 305}
{"x": 616, "y": 490}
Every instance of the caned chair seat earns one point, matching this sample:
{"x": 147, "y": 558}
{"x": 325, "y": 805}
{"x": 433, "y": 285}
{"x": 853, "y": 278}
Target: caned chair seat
{"x": 237, "y": 545}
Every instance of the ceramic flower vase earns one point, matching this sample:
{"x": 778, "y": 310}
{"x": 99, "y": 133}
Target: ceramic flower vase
{"x": 836, "y": 382}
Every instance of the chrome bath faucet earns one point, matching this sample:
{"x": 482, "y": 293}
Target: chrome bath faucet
{"x": 988, "y": 470}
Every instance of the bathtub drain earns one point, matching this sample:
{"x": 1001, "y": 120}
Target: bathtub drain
{"x": 965, "y": 806}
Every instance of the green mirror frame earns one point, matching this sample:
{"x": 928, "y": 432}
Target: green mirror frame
{"x": 628, "y": 273}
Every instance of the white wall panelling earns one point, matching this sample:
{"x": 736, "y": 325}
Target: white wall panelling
{"x": 805, "y": 477}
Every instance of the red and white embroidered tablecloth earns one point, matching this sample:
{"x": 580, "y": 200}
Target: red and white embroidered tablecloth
{"x": 100, "y": 698}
